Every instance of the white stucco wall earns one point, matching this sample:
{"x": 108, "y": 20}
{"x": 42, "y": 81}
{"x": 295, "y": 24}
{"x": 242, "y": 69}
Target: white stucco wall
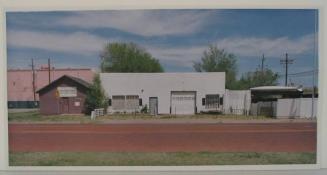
{"x": 237, "y": 102}
{"x": 160, "y": 85}
{"x": 296, "y": 108}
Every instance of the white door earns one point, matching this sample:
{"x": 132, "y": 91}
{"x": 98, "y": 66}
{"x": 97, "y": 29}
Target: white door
{"x": 153, "y": 105}
{"x": 183, "y": 102}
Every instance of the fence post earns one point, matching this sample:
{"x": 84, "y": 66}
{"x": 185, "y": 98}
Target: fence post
{"x": 92, "y": 115}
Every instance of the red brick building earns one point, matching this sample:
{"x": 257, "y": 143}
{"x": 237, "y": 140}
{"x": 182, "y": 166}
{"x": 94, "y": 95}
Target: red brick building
{"x": 66, "y": 95}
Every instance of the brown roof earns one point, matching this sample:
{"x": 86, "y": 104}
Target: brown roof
{"x": 77, "y": 80}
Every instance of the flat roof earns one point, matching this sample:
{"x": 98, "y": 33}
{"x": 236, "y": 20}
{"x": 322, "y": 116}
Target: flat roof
{"x": 276, "y": 88}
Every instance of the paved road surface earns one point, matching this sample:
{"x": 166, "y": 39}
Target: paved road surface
{"x": 265, "y": 137}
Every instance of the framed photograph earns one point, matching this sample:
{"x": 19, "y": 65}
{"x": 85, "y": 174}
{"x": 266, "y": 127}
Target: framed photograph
{"x": 174, "y": 87}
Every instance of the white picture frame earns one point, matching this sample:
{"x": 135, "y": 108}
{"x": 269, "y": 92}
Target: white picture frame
{"x": 47, "y": 5}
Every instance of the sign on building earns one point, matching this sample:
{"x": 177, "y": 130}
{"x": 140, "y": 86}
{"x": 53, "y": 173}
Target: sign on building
{"x": 67, "y": 91}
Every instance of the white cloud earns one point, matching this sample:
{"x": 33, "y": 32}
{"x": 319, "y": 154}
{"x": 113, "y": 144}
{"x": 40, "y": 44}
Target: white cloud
{"x": 241, "y": 47}
{"x": 88, "y": 44}
{"x": 181, "y": 56}
{"x": 77, "y": 43}
{"x": 274, "y": 47}
{"x": 144, "y": 23}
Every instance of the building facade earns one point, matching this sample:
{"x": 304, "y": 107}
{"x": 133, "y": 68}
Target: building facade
{"x": 164, "y": 93}
{"x": 22, "y": 94}
{"x": 65, "y": 95}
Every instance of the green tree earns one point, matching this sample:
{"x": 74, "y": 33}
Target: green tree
{"x": 218, "y": 60}
{"x": 258, "y": 78}
{"x": 127, "y": 57}
{"x": 96, "y": 96}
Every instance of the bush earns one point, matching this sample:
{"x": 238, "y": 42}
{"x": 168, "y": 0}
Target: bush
{"x": 144, "y": 109}
{"x": 95, "y": 97}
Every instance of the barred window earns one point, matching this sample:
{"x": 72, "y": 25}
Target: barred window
{"x": 212, "y": 101}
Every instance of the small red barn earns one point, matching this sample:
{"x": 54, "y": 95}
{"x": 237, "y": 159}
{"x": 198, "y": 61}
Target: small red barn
{"x": 66, "y": 95}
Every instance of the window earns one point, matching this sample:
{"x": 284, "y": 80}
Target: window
{"x": 109, "y": 102}
{"x": 140, "y": 102}
{"x": 128, "y": 102}
{"x": 212, "y": 101}
{"x": 131, "y": 97}
{"x": 203, "y": 101}
{"x": 118, "y": 102}
{"x": 118, "y": 97}
{"x": 221, "y": 101}
{"x": 132, "y": 102}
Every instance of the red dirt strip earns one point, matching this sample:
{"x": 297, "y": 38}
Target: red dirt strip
{"x": 242, "y": 137}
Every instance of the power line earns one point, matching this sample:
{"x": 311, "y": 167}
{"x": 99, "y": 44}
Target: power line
{"x": 305, "y": 73}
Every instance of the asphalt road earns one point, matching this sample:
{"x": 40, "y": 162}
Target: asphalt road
{"x": 242, "y": 137}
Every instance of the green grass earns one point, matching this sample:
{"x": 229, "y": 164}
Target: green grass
{"x": 197, "y": 116}
{"x": 156, "y": 159}
{"x": 35, "y": 116}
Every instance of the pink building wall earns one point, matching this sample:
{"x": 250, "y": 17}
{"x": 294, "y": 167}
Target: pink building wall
{"x": 20, "y": 86}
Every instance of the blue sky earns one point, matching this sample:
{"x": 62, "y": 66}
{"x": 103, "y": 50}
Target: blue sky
{"x": 176, "y": 37}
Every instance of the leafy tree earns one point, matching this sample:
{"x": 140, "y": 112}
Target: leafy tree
{"x": 258, "y": 78}
{"x": 128, "y": 57}
{"x": 218, "y": 60}
{"x": 96, "y": 96}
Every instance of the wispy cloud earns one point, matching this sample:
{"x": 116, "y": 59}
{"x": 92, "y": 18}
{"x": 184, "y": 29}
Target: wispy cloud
{"x": 274, "y": 47}
{"x": 88, "y": 44}
{"x": 141, "y": 22}
{"x": 241, "y": 47}
{"x": 180, "y": 56}
{"x": 77, "y": 43}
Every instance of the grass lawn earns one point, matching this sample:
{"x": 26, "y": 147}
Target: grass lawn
{"x": 156, "y": 159}
{"x": 35, "y": 116}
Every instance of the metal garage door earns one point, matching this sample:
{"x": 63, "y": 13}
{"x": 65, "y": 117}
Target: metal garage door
{"x": 182, "y": 102}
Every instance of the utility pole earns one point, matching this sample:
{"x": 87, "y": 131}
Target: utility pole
{"x": 262, "y": 63}
{"x": 33, "y": 80}
{"x": 261, "y": 67}
{"x": 49, "y": 70}
{"x": 315, "y": 67}
{"x": 286, "y": 62}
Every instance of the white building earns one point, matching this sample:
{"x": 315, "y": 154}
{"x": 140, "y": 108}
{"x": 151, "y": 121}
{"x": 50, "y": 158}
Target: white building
{"x": 165, "y": 93}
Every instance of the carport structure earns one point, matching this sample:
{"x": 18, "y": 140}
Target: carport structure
{"x": 264, "y": 98}
{"x": 272, "y": 93}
